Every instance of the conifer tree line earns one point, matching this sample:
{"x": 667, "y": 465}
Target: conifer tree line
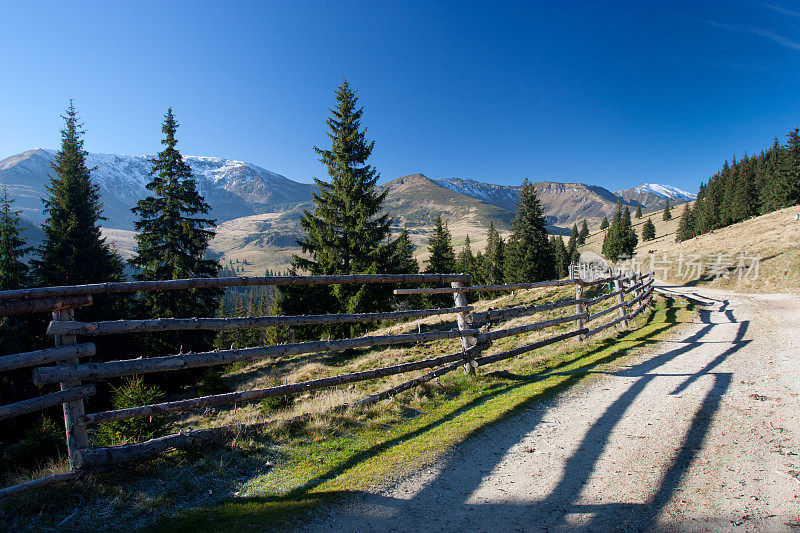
{"x": 747, "y": 187}
{"x": 620, "y": 239}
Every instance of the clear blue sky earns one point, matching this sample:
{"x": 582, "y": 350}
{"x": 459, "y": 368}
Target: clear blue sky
{"x": 609, "y": 93}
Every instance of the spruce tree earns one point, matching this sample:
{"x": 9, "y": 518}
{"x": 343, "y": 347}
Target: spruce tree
{"x": 638, "y": 210}
{"x": 465, "y": 262}
{"x": 648, "y": 230}
{"x": 572, "y": 246}
{"x": 620, "y": 239}
{"x": 667, "y": 211}
{"x": 172, "y": 243}
{"x": 685, "y": 225}
{"x": 584, "y": 233}
{"x": 561, "y": 257}
{"x": 745, "y": 199}
{"x": 790, "y": 170}
{"x": 442, "y": 259}
{"x": 604, "y": 223}
{"x": 403, "y": 261}
{"x": 346, "y": 232}
{"x": 728, "y": 181}
{"x": 772, "y": 191}
{"x": 13, "y": 270}
{"x": 529, "y": 253}
{"x": 494, "y": 258}
{"x": 73, "y": 251}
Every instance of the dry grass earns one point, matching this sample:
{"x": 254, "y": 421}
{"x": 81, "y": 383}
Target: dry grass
{"x": 773, "y": 237}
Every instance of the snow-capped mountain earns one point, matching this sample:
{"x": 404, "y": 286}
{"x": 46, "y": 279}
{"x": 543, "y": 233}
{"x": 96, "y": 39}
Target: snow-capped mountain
{"x": 666, "y": 191}
{"x": 233, "y": 188}
{"x": 655, "y": 195}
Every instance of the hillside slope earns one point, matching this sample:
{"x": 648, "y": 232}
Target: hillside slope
{"x": 773, "y": 237}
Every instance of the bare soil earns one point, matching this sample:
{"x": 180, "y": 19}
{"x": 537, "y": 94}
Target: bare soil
{"x": 699, "y": 433}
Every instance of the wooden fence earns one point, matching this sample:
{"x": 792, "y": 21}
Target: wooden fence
{"x": 63, "y": 364}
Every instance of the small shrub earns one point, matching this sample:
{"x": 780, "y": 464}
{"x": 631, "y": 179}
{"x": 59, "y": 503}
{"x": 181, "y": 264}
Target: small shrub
{"x": 44, "y": 441}
{"x": 132, "y": 393}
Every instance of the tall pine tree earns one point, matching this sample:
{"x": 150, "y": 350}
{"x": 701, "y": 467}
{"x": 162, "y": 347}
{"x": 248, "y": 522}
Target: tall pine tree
{"x": 494, "y": 258}
{"x": 442, "y": 258}
{"x": 73, "y": 251}
{"x": 171, "y": 244}
{"x": 667, "y": 211}
{"x": 584, "y": 233}
{"x": 685, "y": 225}
{"x": 13, "y": 270}
{"x": 648, "y": 230}
{"x": 529, "y": 252}
{"x": 346, "y": 232}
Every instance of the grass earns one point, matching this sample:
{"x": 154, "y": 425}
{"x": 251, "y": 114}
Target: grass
{"x": 273, "y": 479}
{"x": 772, "y": 237}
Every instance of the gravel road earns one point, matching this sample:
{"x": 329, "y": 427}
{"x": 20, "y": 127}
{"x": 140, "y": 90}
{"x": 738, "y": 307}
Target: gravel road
{"x": 699, "y": 433}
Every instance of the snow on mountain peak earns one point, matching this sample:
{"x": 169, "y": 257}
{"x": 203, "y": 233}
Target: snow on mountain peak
{"x": 665, "y": 191}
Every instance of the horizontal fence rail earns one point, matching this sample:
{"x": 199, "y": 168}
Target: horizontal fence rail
{"x": 114, "y": 369}
{"x": 46, "y": 356}
{"x": 474, "y": 329}
{"x": 116, "y": 327}
{"x": 122, "y": 287}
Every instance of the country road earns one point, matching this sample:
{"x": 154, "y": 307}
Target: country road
{"x": 698, "y": 433}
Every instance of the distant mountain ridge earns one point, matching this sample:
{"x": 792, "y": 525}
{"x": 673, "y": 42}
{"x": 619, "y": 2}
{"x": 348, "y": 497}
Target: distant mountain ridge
{"x": 232, "y": 188}
{"x": 654, "y": 195}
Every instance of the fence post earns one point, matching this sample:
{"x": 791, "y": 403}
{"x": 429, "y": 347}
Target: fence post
{"x": 464, "y": 320}
{"x": 580, "y": 308}
{"x": 623, "y": 309}
{"x": 73, "y": 411}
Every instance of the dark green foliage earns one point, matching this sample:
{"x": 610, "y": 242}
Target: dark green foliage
{"x": 73, "y": 251}
{"x": 604, "y": 223}
{"x": 345, "y": 233}
{"x": 790, "y": 170}
{"x": 494, "y": 258}
{"x": 529, "y": 256}
{"x": 620, "y": 239}
{"x": 132, "y": 393}
{"x": 638, "y": 210}
{"x": 745, "y": 196}
{"x": 43, "y": 440}
{"x": 648, "y": 230}
{"x": 171, "y": 244}
{"x": 584, "y": 232}
{"x": 572, "y": 245}
{"x": 403, "y": 261}
{"x": 686, "y": 225}
{"x": 442, "y": 259}
{"x": 750, "y": 186}
{"x": 667, "y": 211}
{"x": 561, "y": 257}
{"x": 465, "y": 262}
{"x": 13, "y": 271}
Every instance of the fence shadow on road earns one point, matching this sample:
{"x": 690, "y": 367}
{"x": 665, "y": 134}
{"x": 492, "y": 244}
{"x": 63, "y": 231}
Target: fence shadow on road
{"x": 466, "y": 469}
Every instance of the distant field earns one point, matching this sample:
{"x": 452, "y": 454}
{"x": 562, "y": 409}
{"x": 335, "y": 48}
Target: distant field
{"x": 774, "y": 237}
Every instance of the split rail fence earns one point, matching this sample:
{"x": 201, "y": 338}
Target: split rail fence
{"x": 66, "y": 365}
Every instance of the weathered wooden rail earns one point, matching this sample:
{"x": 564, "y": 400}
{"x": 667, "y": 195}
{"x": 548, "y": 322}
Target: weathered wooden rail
{"x": 62, "y": 365}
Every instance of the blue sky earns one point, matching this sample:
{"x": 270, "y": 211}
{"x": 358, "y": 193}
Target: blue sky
{"x": 607, "y": 93}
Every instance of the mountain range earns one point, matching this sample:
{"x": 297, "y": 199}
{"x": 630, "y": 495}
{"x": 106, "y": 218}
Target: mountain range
{"x": 257, "y": 209}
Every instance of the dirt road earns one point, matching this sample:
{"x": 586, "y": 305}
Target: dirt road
{"x": 700, "y": 433}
